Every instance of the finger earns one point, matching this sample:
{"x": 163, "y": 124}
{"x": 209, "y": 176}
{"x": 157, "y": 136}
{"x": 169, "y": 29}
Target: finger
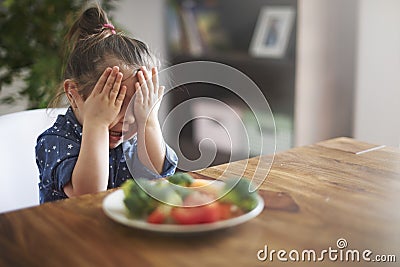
{"x": 161, "y": 90}
{"x": 148, "y": 79}
{"x": 138, "y": 94}
{"x": 143, "y": 85}
{"x": 116, "y": 87}
{"x": 135, "y": 72}
{"x": 155, "y": 79}
{"x": 110, "y": 80}
{"x": 102, "y": 81}
{"x": 121, "y": 96}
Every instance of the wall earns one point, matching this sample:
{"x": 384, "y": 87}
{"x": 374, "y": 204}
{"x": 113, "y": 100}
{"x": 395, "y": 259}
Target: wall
{"x": 377, "y": 105}
{"x": 143, "y": 20}
{"x": 325, "y": 69}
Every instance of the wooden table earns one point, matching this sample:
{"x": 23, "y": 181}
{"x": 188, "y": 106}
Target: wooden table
{"x": 340, "y": 188}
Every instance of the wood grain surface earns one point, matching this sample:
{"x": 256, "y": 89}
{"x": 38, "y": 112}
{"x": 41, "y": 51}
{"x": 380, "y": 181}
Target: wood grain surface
{"x": 314, "y": 196}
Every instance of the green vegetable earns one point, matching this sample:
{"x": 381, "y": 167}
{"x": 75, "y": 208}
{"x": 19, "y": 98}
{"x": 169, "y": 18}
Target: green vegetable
{"x": 163, "y": 191}
{"x": 137, "y": 201}
{"x": 240, "y": 195}
{"x": 181, "y": 178}
{"x": 143, "y": 196}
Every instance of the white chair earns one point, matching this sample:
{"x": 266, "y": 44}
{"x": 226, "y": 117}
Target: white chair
{"x": 19, "y": 175}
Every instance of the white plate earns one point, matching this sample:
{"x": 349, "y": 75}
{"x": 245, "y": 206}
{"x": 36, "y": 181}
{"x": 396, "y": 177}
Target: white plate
{"x": 114, "y": 208}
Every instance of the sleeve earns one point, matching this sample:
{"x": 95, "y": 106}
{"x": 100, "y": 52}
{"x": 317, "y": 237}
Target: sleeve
{"x": 139, "y": 170}
{"x": 170, "y": 162}
{"x": 63, "y": 172}
{"x": 56, "y": 157}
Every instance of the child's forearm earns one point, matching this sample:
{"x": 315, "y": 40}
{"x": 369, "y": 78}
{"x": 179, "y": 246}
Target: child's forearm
{"x": 151, "y": 146}
{"x": 91, "y": 171}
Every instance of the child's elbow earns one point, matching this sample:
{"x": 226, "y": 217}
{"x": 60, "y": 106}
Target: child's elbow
{"x": 74, "y": 191}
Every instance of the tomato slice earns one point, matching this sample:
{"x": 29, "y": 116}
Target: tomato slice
{"x": 194, "y": 215}
{"x": 156, "y": 217}
{"x": 197, "y": 212}
{"x": 160, "y": 214}
{"x": 225, "y": 211}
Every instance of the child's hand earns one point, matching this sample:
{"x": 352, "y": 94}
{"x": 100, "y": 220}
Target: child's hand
{"x": 148, "y": 97}
{"x": 104, "y": 102}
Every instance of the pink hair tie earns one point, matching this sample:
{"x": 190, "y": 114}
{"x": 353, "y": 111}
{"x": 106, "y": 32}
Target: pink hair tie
{"x": 111, "y": 27}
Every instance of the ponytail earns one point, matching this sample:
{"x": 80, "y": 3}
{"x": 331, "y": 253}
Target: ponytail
{"x": 90, "y": 23}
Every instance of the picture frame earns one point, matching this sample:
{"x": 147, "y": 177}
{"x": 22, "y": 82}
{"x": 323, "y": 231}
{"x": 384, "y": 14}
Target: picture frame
{"x": 272, "y": 32}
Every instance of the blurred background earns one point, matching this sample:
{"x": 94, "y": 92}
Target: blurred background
{"x": 328, "y": 68}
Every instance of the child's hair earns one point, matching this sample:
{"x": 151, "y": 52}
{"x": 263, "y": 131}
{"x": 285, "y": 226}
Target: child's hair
{"x": 93, "y": 44}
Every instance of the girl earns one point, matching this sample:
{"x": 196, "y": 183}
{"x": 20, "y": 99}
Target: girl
{"x": 102, "y": 140}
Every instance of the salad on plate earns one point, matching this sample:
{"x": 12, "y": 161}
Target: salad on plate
{"x": 182, "y": 200}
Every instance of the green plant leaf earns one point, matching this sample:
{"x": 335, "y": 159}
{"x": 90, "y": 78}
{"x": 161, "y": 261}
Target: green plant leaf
{"x": 32, "y": 41}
